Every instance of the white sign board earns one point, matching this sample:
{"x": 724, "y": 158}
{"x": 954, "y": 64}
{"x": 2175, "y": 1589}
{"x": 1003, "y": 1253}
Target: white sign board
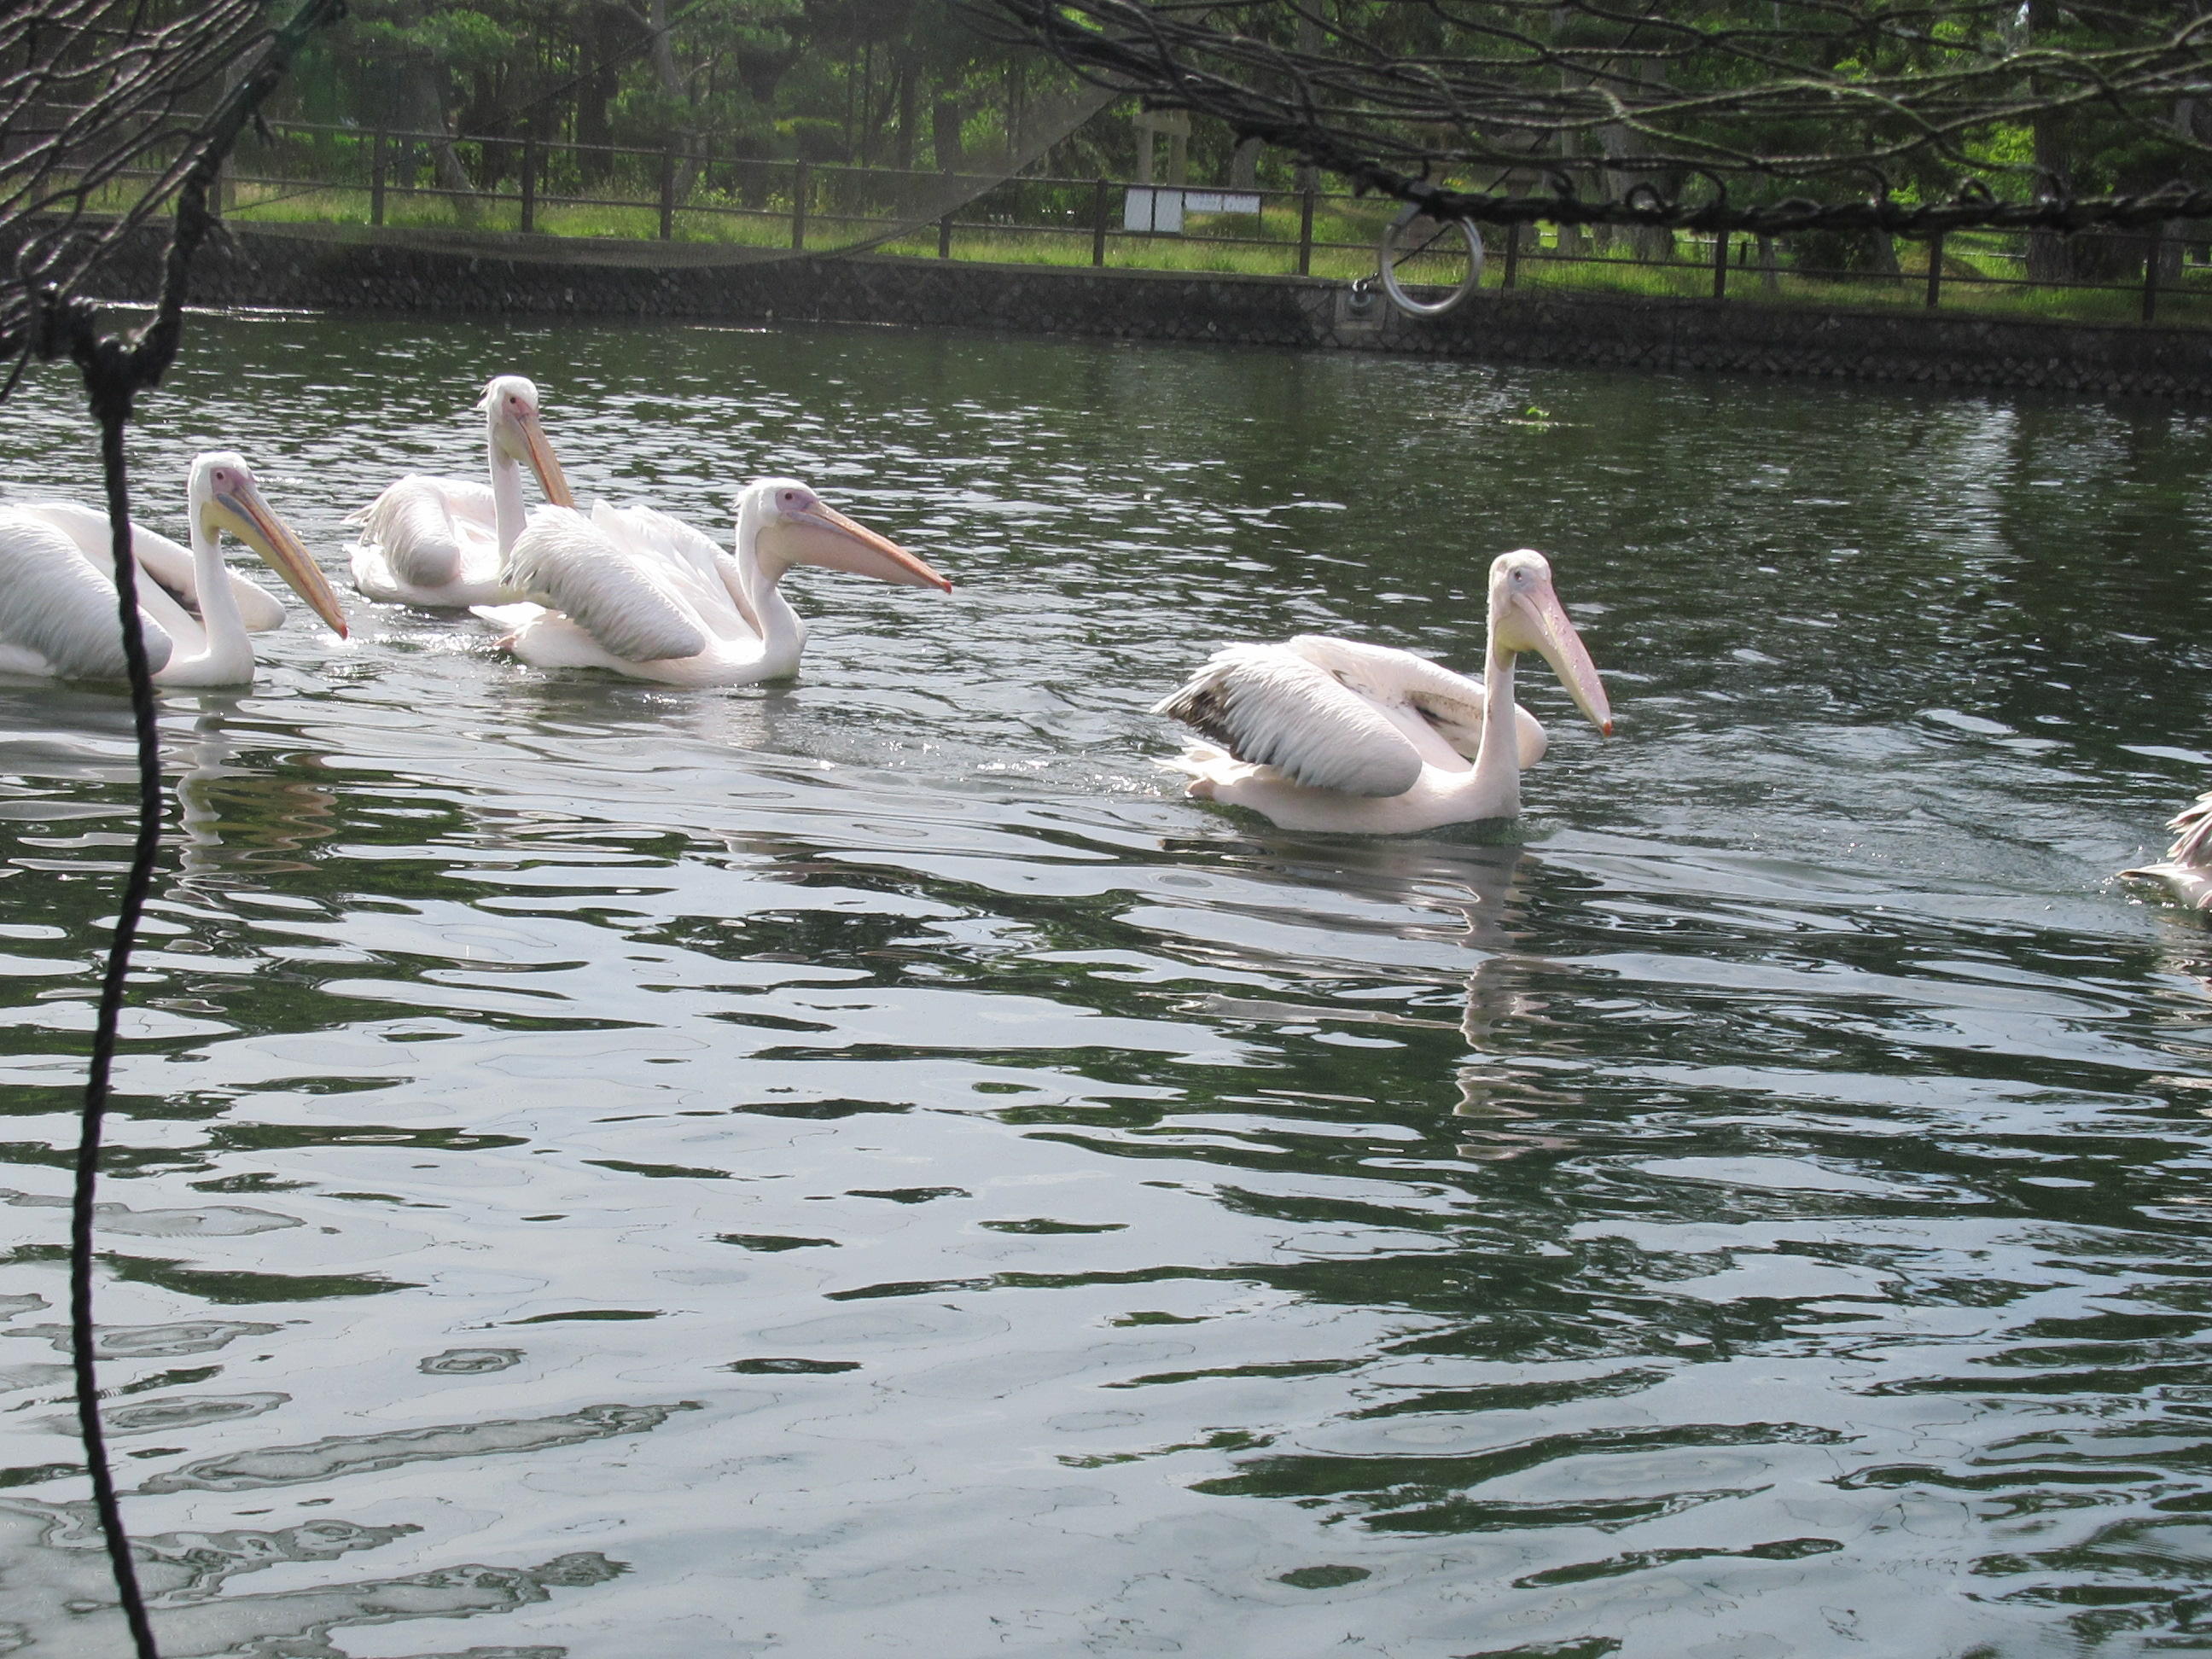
{"x": 1159, "y": 211}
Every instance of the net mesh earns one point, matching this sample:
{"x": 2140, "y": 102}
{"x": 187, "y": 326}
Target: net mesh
{"x": 96, "y": 92}
{"x": 1763, "y": 115}
{"x": 847, "y": 210}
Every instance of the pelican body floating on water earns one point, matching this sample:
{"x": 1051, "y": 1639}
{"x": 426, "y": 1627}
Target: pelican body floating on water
{"x": 2187, "y": 866}
{"x": 58, "y": 616}
{"x": 440, "y": 541}
{"x": 641, "y": 593}
{"x": 1321, "y": 733}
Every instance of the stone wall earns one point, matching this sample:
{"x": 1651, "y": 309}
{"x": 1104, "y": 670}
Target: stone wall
{"x": 356, "y": 270}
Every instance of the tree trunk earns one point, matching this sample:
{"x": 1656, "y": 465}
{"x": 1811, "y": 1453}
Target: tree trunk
{"x": 426, "y": 81}
{"x": 686, "y": 135}
{"x": 2174, "y": 231}
{"x": 946, "y": 118}
{"x": 2050, "y": 255}
{"x": 1244, "y": 164}
{"x": 1881, "y": 251}
{"x": 910, "y": 111}
{"x": 866, "y": 134}
{"x": 609, "y": 28}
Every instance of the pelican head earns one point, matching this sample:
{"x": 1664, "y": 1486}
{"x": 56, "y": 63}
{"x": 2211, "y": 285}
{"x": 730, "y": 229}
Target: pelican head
{"x": 791, "y": 525}
{"x": 1525, "y": 615}
{"x": 224, "y": 495}
{"x": 509, "y": 407}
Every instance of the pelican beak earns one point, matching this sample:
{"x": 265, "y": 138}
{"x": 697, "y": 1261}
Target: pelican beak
{"x": 247, "y": 516}
{"x": 1537, "y": 621}
{"x": 826, "y": 536}
{"x": 538, "y": 453}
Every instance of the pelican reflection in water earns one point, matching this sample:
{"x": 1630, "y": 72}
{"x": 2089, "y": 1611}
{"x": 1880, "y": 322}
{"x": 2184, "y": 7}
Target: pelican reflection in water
{"x": 1465, "y": 897}
{"x": 236, "y": 816}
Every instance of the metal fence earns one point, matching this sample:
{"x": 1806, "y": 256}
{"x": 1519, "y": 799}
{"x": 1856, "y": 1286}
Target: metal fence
{"x": 518, "y": 183}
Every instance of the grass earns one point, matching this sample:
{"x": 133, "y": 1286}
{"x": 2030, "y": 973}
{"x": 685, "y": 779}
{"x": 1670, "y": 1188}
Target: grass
{"x": 1345, "y": 231}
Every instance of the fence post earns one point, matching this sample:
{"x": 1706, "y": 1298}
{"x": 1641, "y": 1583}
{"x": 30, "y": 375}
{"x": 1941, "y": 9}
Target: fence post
{"x": 799, "y": 207}
{"x": 1098, "y": 222}
{"x": 1935, "y": 271}
{"x": 667, "y": 195}
{"x": 945, "y": 237}
{"x": 376, "y": 178}
{"x": 2150, "y": 275}
{"x": 1305, "y": 231}
{"x": 1720, "y": 265}
{"x": 530, "y": 179}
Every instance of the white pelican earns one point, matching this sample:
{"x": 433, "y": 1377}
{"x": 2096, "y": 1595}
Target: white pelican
{"x": 1323, "y": 734}
{"x": 57, "y": 586}
{"x": 646, "y": 595}
{"x": 2188, "y": 866}
{"x": 439, "y": 542}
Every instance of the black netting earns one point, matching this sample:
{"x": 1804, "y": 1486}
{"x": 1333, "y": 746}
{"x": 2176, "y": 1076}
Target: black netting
{"x": 1765, "y": 115}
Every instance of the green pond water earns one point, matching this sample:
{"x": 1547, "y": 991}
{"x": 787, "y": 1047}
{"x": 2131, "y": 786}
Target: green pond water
{"x": 863, "y": 1167}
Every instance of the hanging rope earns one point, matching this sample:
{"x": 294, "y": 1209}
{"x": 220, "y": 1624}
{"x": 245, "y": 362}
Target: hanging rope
{"x": 111, "y": 396}
{"x": 116, "y": 368}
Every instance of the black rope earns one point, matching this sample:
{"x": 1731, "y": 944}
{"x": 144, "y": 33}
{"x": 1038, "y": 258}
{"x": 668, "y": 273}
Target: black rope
{"x": 116, "y": 368}
{"x": 109, "y": 385}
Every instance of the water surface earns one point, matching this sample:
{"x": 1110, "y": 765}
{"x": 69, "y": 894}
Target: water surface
{"x": 862, "y": 1166}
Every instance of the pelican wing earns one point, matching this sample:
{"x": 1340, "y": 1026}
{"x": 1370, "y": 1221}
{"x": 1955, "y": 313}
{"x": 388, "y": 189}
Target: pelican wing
{"x": 56, "y": 606}
{"x": 627, "y": 599}
{"x": 648, "y": 530}
{"x": 1272, "y": 705}
{"x": 424, "y": 525}
{"x": 715, "y": 586}
{"x": 1450, "y": 702}
{"x": 2192, "y": 833}
{"x": 161, "y": 559}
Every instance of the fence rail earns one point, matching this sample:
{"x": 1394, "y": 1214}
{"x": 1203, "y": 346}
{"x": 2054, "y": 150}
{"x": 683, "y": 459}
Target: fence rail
{"x": 520, "y": 182}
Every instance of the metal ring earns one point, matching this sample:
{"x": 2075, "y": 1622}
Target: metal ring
{"x": 1389, "y": 268}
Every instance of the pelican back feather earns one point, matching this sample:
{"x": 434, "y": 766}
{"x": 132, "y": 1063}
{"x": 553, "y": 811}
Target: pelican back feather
{"x": 1451, "y": 704}
{"x": 1272, "y": 705}
{"x": 420, "y": 521}
{"x": 625, "y": 598}
{"x": 648, "y": 530}
{"x": 2192, "y": 835}
{"x": 54, "y": 603}
{"x": 160, "y": 559}
{"x": 720, "y": 582}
